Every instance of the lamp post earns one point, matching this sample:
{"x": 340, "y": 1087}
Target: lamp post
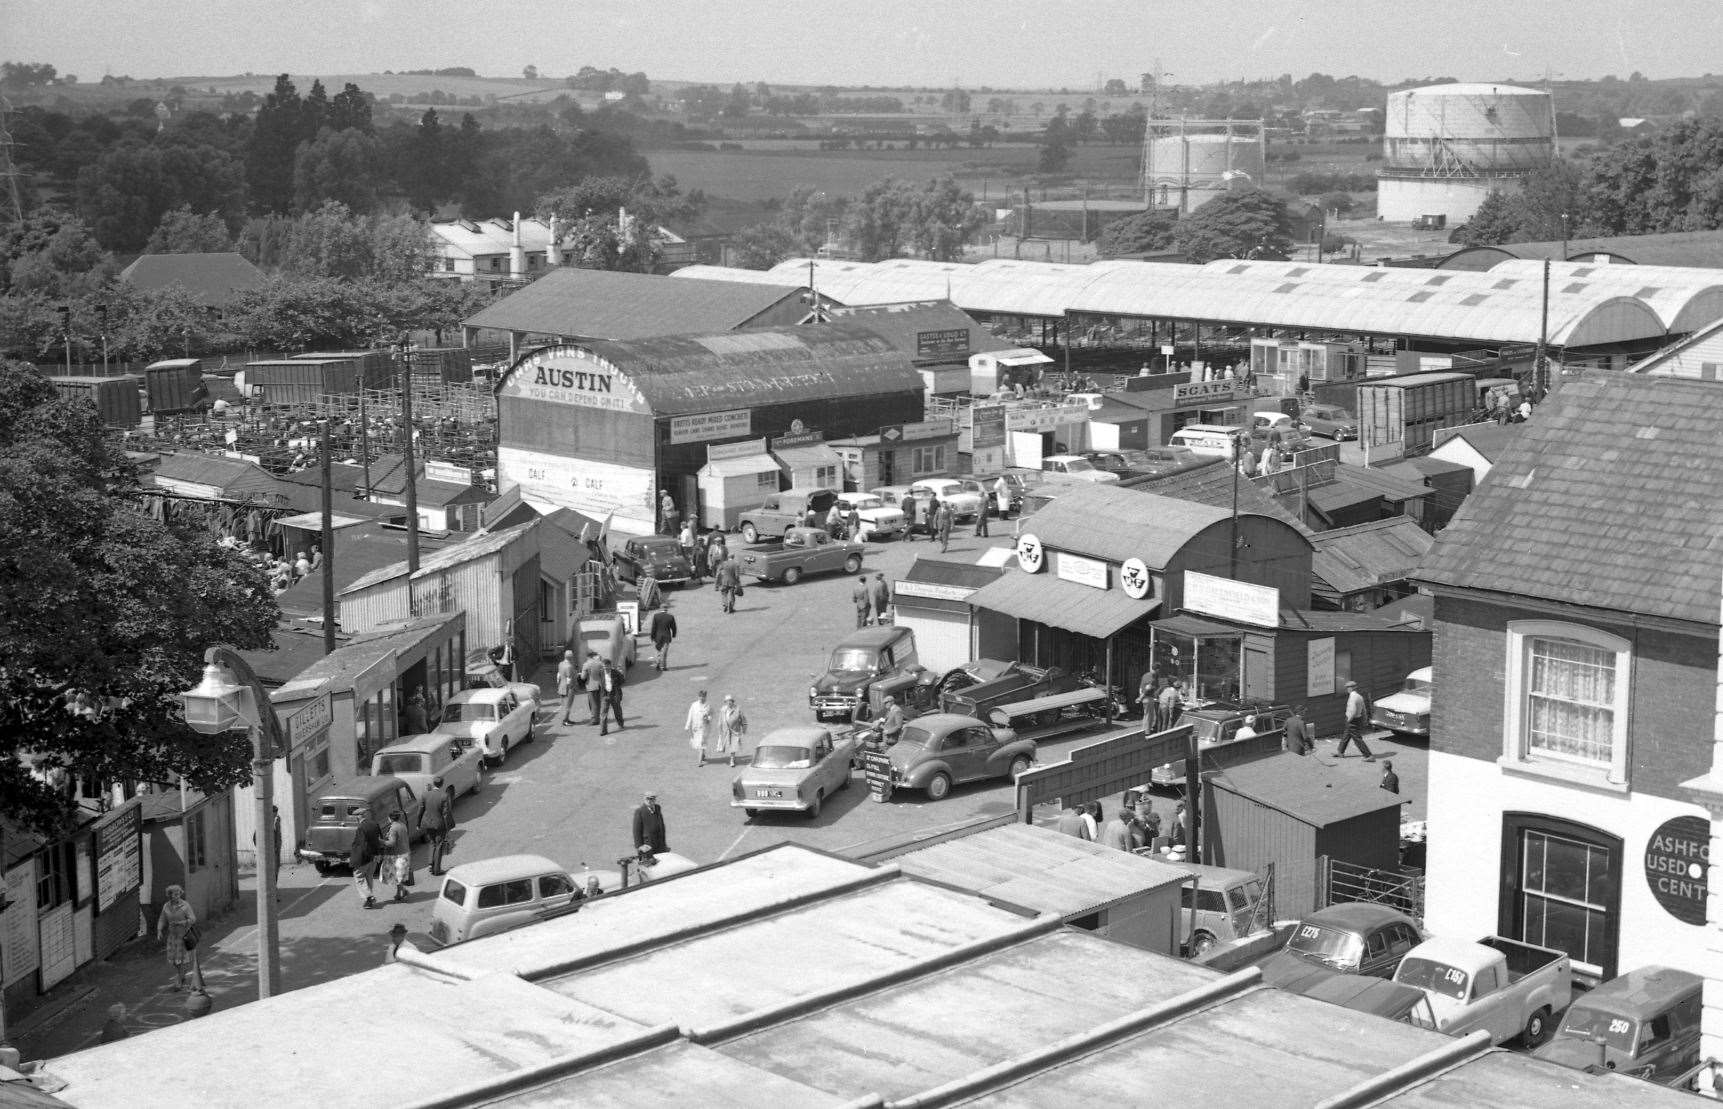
{"x": 230, "y": 696}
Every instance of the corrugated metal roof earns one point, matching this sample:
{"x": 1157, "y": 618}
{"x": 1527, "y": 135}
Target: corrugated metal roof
{"x": 212, "y": 280}
{"x": 1046, "y": 599}
{"x": 1390, "y": 486}
{"x": 602, "y": 304}
{"x": 1306, "y": 789}
{"x": 680, "y": 374}
{"x": 1685, "y": 299}
{"x": 1040, "y": 869}
{"x": 1607, "y": 499}
{"x": 945, "y": 571}
{"x": 479, "y": 545}
{"x": 235, "y": 477}
{"x": 903, "y": 325}
{"x": 1114, "y": 523}
{"x": 1212, "y": 483}
{"x": 1364, "y": 556}
{"x": 362, "y": 652}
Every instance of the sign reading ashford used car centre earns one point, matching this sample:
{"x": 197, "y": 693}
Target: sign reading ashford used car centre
{"x": 1677, "y": 857}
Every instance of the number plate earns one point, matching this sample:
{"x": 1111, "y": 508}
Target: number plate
{"x": 771, "y": 793}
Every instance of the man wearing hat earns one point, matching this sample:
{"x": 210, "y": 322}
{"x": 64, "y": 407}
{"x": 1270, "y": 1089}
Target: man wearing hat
{"x": 436, "y": 819}
{"x": 592, "y": 676}
{"x": 648, "y": 826}
{"x": 1357, "y": 709}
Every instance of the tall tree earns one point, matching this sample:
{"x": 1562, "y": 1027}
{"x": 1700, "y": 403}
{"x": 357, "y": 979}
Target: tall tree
{"x": 1055, "y": 153}
{"x": 350, "y": 110}
{"x": 339, "y": 166}
{"x": 106, "y": 612}
{"x": 1496, "y": 221}
{"x": 183, "y": 231}
{"x": 1137, "y": 234}
{"x": 275, "y": 136}
{"x": 1249, "y": 224}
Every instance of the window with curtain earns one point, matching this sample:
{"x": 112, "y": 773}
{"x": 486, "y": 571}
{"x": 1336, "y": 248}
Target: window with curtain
{"x": 1570, "y": 700}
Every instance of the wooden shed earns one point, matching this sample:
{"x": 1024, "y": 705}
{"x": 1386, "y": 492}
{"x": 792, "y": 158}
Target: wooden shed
{"x": 1113, "y": 893}
{"x": 1291, "y": 811}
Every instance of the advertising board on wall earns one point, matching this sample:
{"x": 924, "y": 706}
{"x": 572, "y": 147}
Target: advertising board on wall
{"x": 594, "y": 488}
{"x": 703, "y": 427}
{"x": 574, "y": 376}
{"x": 1091, "y": 572}
{"x": 945, "y": 341}
{"x": 1201, "y": 392}
{"x": 1232, "y": 600}
{"x": 987, "y": 424}
{"x": 119, "y": 863}
{"x": 1319, "y": 668}
{"x": 19, "y": 954}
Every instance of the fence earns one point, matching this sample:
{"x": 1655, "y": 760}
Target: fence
{"x": 1401, "y": 888}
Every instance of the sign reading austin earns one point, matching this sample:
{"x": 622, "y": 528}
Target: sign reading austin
{"x": 570, "y": 375}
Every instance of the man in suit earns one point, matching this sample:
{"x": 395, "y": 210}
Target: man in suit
{"x": 610, "y": 682}
{"x": 728, "y": 581}
{"x": 592, "y": 677}
{"x": 662, "y": 629}
{"x": 1297, "y": 733}
{"x": 648, "y": 825}
{"x": 879, "y": 594}
{"x": 860, "y": 597}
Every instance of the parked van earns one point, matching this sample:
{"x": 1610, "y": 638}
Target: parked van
{"x": 419, "y": 759}
{"x": 488, "y": 896}
{"x": 338, "y": 810}
{"x": 1644, "y": 1023}
{"x": 1227, "y": 905}
{"x": 1215, "y": 440}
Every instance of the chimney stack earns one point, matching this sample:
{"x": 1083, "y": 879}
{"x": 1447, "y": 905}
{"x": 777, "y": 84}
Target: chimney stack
{"x": 517, "y": 254}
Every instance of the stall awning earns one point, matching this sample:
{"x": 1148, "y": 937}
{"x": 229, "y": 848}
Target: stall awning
{"x": 1046, "y": 599}
{"x": 811, "y": 456}
{"x": 1196, "y": 627}
{"x": 741, "y": 467}
{"x": 1019, "y": 356}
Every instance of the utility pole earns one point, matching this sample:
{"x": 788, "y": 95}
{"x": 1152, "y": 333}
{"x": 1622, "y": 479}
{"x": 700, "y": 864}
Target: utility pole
{"x": 1238, "y": 447}
{"x": 66, "y": 334}
{"x": 1540, "y": 373}
{"x": 325, "y": 498}
{"x": 407, "y": 458}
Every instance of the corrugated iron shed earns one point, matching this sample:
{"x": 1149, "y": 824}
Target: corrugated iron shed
{"x": 1051, "y": 600}
{"x": 602, "y": 304}
{"x": 1365, "y": 556}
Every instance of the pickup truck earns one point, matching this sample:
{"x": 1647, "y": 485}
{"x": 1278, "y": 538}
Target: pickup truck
{"x": 782, "y": 511}
{"x": 1505, "y": 987}
{"x": 804, "y": 551}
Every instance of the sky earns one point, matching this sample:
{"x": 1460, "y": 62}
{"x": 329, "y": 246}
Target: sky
{"x": 1000, "y": 44}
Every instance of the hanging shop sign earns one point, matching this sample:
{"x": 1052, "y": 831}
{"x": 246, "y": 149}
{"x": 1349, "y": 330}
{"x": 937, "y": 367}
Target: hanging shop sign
{"x": 1135, "y": 579}
{"x": 720, "y": 451}
{"x": 1199, "y": 392}
{"x": 706, "y": 426}
{"x": 1677, "y": 857}
{"x": 1031, "y": 555}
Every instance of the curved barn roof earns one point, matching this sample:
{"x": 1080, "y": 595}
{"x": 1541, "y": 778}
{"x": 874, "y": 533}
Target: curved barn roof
{"x": 1685, "y": 299}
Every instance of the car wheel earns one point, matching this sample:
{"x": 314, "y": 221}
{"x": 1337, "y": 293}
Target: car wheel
{"x": 1537, "y": 1027}
{"x": 1018, "y": 766}
{"x": 502, "y": 754}
{"x": 815, "y": 805}
{"x": 939, "y": 787}
{"x": 530, "y": 734}
{"x": 750, "y": 813}
{"x": 852, "y": 564}
{"x": 749, "y": 534}
{"x": 792, "y": 575}
{"x": 1201, "y": 944}
{"x": 844, "y": 782}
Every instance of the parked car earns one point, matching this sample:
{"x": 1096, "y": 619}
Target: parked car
{"x": 1113, "y": 462}
{"x": 1364, "y": 994}
{"x": 961, "y": 495}
{"x": 662, "y": 554}
{"x": 1218, "y": 725}
{"x": 1408, "y": 710}
{"x": 1155, "y": 461}
{"x": 340, "y": 807}
{"x": 804, "y": 551}
{"x": 607, "y": 634}
{"x": 419, "y": 760}
{"x": 1292, "y": 434}
{"x": 795, "y": 768}
{"x": 1226, "y": 906}
{"x": 1354, "y": 937}
{"x": 878, "y": 520}
{"x": 495, "y": 718}
{"x": 1216, "y": 440}
{"x": 1644, "y": 1023}
{"x": 1505, "y": 987}
{"x": 1329, "y": 421}
{"x": 1017, "y": 483}
{"x": 488, "y": 896}
{"x": 1072, "y": 467}
{"x": 867, "y": 665}
{"x": 483, "y": 673}
{"x": 942, "y": 750}
{"x": 782, "y": 511}
{"x": 904, "y": 500}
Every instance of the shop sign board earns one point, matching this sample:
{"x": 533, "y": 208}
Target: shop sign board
{"x": 717, "y": 452}
{"x": 573, "y": 376}
{"x": 450, "y": 472}
{"x": 1203, "y": 392}
{"x": 1031, "y": 555}
{"x": 119, "y": 864}
{"x": 932, "y": 590}
{"x": 1045, "y": 419}
{"x": 987, "y": 423}
{"x": 1083, "y": 571}
{"x": 946, "y": 340}
{"x": 19, "y": 955}
{"x": 798, "y": 437}
{"x": 1319, "y": 667}
{"x": 1677, "y": 858}
{"x": 876, "y": 768}
{"x": 1135, "y": 579}
{"x": 307, "y": 723}
{"x": 705, "y": 426}
{"x": 1232, "y": 600}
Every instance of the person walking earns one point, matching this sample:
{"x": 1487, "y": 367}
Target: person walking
{"x": 1357, "y": 713}
{"x": 362, "y": 856}
{"x": 1002, "y": 496}
{"x": 611, "y": 683}
{"x": 879, "y": 598}
{"x": 685, "y": 543}
{"x": 566, "y": 672}
{"x": 398, "y": 854}
{"x": 647, "y": 827}
{"x": 698, "y": 724}
{"x": 174, "y": 927}
{"x": 942, "y": 525}
{"x": 662, "y": 631}
{"x": 732, "y": 728}
{"x": 1297, "y": 733}
{"x": 436, "y": 819}
{"x": 852, "y": 523}
{"x": 909, "y": 505}
{"x": 930, "y": 517}
{"x": 728, "y": 579}
{"x": 982, "y": 514}
{"x": 592, "y": 678}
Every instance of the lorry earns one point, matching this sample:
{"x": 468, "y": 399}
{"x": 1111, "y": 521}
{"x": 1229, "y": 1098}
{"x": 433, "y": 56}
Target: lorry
{"x": 1503, "y": 986}
{"x": 1408, "y": 410}
{"x": 782, "y": 511}
{"x": 804, "y": 551}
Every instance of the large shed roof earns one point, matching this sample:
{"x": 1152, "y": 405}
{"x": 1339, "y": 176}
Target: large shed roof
{"x": 1306, "y": 789}
{"x": 1112, "y": 523}
{"x": 603, "y": 304}
{"x": 211, "y": 280}
{"x": 1685, "y": 299}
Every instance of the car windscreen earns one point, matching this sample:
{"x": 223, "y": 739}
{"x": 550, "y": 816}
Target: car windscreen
{"x": 854, "y": 659}
{"x": 1330, "y": 945}
{"x": 778, "y": 757}
{"x": 660, "y": 548}
{"x": 1586, "y": 1022}
{"x": 1438, "y": 978}
{"x": 1077, "y": 466}
{"x": 458, "y": 711}
{"x": 405, "y": 763}
{"x": 862, "y": 504}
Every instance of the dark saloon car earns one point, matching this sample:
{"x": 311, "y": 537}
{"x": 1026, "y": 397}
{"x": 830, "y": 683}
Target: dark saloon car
{"x": 660, "y": 553}
{"x": 944, "y": 749}
{"x": 1355, "y": 937}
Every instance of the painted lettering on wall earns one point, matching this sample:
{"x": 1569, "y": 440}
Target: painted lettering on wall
{"x": 572, "y": 379}
{"x": 573, "y": 376}
{"x": 1677, "y": 859}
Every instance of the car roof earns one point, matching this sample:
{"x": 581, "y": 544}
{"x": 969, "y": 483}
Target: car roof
{"x": 415, "y": 744}
{"x": 360, "y": 787}
{"x": 945, "y": 721}
{"x": 1422, "y": 674}
{"x": 1213, "y": 876}
{"x": 800, "y": 735}
{"x": 1644, "y": 990}
{"x": 502, "y": 868}
{"x": 1356, "y": 914}
{"x": 873, "y": 637}
{"x": 1224, "y": 429}
{"x": 488, "y": 695}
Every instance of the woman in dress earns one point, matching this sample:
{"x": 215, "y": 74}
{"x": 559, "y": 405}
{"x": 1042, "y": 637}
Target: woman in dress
{"x": 732, "y": 728}
{"x": 175, "y": 921}
{"x": 699, "y": 725}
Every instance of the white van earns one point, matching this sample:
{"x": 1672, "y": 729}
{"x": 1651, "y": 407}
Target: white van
{"x": 1214, "y": 440}
{"x": 487, "y": 896}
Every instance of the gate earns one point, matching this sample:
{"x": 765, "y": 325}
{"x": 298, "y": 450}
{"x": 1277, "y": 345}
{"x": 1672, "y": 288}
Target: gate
{"x": 1401, "y": 888}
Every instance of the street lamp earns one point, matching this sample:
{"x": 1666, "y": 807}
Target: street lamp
{"x": 229, "y": 697}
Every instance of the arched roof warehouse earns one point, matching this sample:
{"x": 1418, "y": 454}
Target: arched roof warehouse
{"x": 1685, "y": 299}
{"x": 1466, "y": 306}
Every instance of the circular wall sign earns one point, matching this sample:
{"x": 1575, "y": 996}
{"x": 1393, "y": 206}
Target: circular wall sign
{"x": 1031, "y": 555}
{"x": 1135, "y": 580}
{"x": 1677, "y": 857}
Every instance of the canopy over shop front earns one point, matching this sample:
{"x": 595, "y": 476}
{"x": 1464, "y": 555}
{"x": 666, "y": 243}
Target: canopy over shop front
{"x": 1046, "y": 599}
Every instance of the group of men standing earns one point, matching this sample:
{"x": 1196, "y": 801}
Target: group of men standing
{"x": 602, "y": 682}
{"x": 872, "y": 600}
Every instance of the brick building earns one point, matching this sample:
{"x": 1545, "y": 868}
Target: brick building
{"x": 1576, "y": 611}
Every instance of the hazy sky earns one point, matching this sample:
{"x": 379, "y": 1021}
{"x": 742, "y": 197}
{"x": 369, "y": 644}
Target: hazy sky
{"x": 999, "y": 43}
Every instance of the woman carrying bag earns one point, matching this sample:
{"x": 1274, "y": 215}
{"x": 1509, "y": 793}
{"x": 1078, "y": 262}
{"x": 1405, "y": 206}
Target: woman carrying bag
{"x": 178, "y": 931}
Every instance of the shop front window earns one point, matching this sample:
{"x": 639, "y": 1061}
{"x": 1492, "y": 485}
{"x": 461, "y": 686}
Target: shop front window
{"x": 374, "y": 727}
{"x": 1210, "y": 668}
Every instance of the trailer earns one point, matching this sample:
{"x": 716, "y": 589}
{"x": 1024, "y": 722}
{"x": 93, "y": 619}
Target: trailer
{"x": 301, "y": 381}
{"x": 1408, "y": 410}
{"x": 116, "y": 398}
{"x": 376, "y": 368}
{"x": 174, "y": 385}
